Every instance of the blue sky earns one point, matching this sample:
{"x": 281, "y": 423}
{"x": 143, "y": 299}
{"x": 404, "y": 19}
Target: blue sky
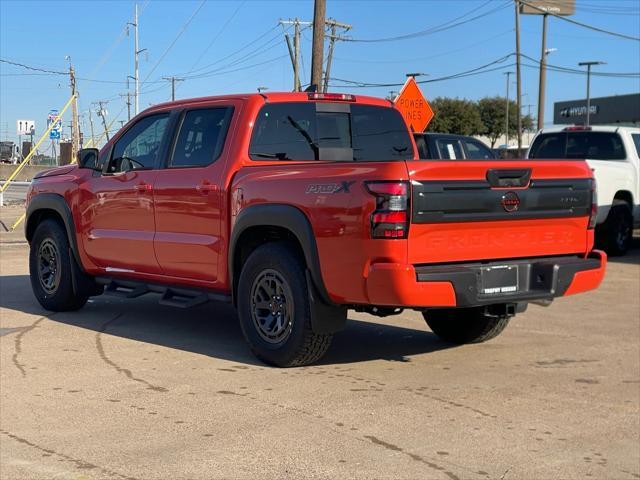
{"x": 41, "y": 34}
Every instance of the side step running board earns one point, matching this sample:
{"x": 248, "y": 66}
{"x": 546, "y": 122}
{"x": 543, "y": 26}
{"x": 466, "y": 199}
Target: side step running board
{"x": 123, "y": 291}
{"x": 173, "y": 296}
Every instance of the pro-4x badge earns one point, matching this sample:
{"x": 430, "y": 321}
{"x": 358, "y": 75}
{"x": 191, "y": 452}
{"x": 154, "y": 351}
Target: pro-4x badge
{"x": 343, "y": 187}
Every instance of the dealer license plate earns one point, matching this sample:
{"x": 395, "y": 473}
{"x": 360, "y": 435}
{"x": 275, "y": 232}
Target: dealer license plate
{"x": 499, "y": 279}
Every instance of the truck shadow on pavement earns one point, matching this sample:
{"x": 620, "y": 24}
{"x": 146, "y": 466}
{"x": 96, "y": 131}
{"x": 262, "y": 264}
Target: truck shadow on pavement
{"x": 213, "y": 329}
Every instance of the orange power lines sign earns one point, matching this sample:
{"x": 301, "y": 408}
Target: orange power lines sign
{"x": 413, "y": 106}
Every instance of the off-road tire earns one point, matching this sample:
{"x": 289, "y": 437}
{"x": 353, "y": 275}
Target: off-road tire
{"x": 465, "y": 325}
{"x": 617, "y": 230}
{"x": 302, "y": 346}
{"x": 60, "y": 297}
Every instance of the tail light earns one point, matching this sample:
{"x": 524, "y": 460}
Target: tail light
{"x": 390, "y": 219}
{"x": 593, "y": 216}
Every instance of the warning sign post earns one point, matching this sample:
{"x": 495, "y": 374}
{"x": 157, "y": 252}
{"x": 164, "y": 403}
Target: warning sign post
{"x": 413, "y": 106}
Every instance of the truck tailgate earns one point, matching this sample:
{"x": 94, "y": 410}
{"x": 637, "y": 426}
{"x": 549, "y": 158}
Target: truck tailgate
{"x": 487, "y": 210}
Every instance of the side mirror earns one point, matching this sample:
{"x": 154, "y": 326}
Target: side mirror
{"x": 88, "y": 158}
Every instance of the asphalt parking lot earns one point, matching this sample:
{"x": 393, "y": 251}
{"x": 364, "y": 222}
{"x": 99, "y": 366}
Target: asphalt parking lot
{"x": 127, "y": 389}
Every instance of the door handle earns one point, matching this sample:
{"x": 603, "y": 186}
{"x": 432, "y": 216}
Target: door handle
{"x": 143, "y": 187}
{"x": 206, "y": 187}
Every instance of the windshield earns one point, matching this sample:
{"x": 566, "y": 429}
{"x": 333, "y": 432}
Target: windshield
{"x": 301, "y": 131}
{"x": 578, "y": 145}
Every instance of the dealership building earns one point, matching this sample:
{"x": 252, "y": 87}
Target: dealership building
{"x": 616, "y": 110}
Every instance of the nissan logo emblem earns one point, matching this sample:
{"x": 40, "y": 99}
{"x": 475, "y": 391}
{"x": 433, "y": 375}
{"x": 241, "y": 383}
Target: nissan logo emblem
{"x": 510, "y": 202}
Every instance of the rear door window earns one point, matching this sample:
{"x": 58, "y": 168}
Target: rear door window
{"x": 201, "y": 137}
{"x": 449, "y": 149}
{"x": 477, "y": 151}
{"x": 300, "y": 131}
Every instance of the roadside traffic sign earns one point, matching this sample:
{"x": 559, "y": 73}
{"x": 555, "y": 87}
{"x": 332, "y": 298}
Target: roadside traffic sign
{"x": 54, "y": 134}
{"x": 25, "y": 127}
{"x": 413, "y": 106}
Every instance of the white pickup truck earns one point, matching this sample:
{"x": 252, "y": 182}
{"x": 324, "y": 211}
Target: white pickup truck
{"x": 614, "y": 156}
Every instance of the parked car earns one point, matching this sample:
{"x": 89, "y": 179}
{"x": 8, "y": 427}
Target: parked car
{"x": 296, "y": 207}
{"x": 614, "y": 155}
{"x": 445, "y": 146}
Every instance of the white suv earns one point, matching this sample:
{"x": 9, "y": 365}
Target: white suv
{"x": 614, "y": 155}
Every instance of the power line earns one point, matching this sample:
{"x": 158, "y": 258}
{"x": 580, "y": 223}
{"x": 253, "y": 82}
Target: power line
{"x": 584, "y": 25}
{"x": 56, "y": 72}
{"x": 232, "y": 54}
{"x": 180, "y": 32}
{"x": 259, "y": 51}
{"x": 466, "y": 47}
{"x": 474, "y": 71}
{"x": 582, "y": 72}
{"x": 37, "y": 69}
{"x": 456, "y": 22}
{"x": 215, "y": 38}
{"x": 246, "y": 67}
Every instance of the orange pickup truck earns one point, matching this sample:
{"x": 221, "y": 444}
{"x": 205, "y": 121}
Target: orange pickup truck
{"x": 299, "y": 206}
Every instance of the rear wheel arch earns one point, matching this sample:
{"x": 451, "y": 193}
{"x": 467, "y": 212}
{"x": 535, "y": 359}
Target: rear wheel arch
{"x": 623, "y": 197}
{"x": 260, "y": 223}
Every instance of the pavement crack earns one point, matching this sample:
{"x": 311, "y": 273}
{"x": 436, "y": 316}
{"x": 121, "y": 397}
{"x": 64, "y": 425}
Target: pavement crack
{"x": 78, "y": 463}
{"x": 455, "y": 404}
{"x": 413, "y": 456}
{"x": 370, "y": 438}
{"x": 18, "y": 345}
{"x": 125, "y": 371}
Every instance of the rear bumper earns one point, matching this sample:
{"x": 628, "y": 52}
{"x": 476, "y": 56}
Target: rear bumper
{"x": 458, "y": 285}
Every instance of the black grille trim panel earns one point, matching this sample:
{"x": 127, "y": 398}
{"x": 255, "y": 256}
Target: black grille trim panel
{"x": 475, "y": 200}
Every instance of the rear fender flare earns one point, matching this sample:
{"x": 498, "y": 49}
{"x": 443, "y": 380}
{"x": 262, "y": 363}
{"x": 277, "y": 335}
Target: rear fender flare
{"x": 283, "y": 216}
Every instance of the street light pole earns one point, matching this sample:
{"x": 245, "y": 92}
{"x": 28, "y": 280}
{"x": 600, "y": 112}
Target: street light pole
{"x": 543, "y": 73}
{"x": 589, "y": 65}
{"x": 518, "y": 78}
{"x": 506, "y": 115}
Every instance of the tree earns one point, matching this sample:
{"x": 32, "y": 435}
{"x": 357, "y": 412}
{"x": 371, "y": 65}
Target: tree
{"x": 454, "y": 115}
{"x": 492, "y": 111}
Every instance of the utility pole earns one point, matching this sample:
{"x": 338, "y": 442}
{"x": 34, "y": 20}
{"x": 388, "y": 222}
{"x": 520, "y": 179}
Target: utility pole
{"x": 332, "y": 39}
{"x": 75, "y": 124}
{"x": 543, "y": 73}
{"x": 317, "y": 50}
{"x": 589, "y": 65}
{"x": 173, "y": 81}
{"x": 518, "y": 78}
{"x": 506, "y": 116}
{"x": 128, "y": 95}
{"x": 93, "y": 137}
{"x": 294, "y": 51}
{"x": 103, "y": 113}
{"x": 296, "y": 56}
